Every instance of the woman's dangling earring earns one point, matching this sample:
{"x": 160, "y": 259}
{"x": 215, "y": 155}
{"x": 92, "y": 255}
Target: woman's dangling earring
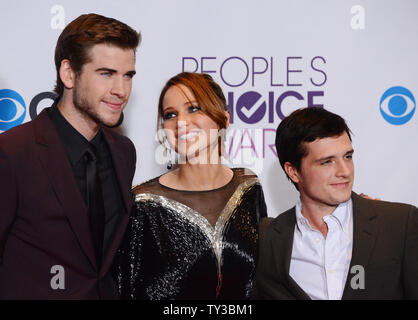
{"x": 169, "y": 164}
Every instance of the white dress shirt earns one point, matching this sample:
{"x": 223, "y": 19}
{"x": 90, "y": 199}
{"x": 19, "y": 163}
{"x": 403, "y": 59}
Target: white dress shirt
{"x": 320, "y": 266}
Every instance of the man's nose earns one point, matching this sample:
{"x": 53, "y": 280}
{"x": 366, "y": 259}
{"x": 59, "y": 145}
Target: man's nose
{"x": 343, "y": 168}
{"x": 119, "y": 87}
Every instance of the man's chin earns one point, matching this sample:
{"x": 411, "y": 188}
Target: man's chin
{"x": 113, "y": 122}
{"x": 342, "y": 198}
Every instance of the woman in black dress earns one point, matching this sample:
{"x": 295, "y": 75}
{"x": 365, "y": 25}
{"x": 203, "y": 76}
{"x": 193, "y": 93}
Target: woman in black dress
{"x": 193, "y": 233}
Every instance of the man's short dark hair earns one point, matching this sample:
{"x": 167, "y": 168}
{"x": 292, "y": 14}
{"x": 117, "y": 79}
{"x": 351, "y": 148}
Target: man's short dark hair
{"x": 302, "y": 126}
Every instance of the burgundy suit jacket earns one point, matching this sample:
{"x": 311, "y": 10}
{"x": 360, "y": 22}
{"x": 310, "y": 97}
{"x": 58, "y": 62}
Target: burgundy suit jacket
{"x": 43, "y": 218}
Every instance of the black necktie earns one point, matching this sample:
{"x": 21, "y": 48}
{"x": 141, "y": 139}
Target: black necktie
{"x": 95, "y": 203}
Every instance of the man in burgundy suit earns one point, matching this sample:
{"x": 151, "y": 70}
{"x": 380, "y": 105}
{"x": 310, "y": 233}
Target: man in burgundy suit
{"x": 65, "y": 177}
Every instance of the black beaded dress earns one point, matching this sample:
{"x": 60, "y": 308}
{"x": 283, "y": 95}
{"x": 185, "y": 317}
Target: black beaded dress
{"x": 192, "y": 244}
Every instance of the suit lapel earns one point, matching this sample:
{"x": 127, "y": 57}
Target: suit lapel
{"x": 364, "y": 237}
{"x": 282, "y": 253}
{"x": 57, "y": 167}
{"x": 121, "y": 166}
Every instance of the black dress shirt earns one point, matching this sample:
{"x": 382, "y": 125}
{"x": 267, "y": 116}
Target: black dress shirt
{"x": 76, "y": 145}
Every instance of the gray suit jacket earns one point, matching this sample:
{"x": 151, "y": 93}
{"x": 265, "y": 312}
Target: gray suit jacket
{"x": 385, "y": 244}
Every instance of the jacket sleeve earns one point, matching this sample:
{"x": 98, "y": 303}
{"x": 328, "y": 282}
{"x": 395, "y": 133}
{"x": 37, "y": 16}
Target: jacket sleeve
{"x": 132, "y": 158}
{"x": 410, "y": 259}
{"x": 8, "y": 198}
{"x": 264, "y": 282}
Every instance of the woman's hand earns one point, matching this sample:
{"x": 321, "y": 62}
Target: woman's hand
{"x": 368, "y": 197}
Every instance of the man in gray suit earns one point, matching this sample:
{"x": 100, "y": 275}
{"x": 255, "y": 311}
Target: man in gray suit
{"x": 333, "y": 244}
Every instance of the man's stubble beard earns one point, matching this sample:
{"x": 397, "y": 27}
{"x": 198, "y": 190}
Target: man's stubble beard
{"x": 87, "y": 111}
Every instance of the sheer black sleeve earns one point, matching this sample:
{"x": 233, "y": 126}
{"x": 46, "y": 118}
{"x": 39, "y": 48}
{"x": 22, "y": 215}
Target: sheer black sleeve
{"x": 128, "y": 261}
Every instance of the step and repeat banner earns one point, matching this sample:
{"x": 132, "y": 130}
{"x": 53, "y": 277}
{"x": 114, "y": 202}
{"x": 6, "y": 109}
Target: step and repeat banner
{"x": 354, "y": 58}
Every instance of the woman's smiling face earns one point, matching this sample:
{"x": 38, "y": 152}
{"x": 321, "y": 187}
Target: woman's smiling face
{"x": 188, "y": 129}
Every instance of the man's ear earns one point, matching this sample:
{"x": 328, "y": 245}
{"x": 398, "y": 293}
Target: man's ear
{"x": 67, "y": 74}
{"x": 292, "y": 172}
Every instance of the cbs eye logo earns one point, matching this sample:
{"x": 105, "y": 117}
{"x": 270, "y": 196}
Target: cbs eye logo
{"x": 12, "y": 109}
{"x": 397, "y": 105}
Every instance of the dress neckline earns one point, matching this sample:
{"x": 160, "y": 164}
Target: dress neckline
{"x": 197, "y": 191}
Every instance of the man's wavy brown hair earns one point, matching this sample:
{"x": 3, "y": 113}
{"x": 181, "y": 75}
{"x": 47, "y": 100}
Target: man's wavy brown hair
{"x": 83, "y": 33}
